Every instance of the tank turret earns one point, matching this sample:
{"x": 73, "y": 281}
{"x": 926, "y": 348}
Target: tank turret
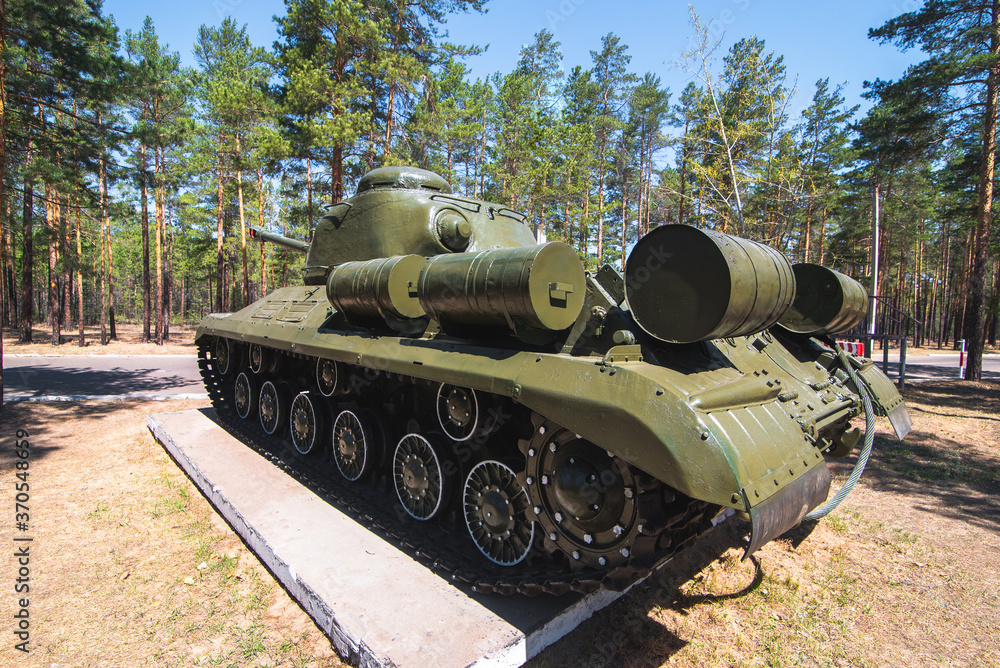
{"x": 404, "y": 211}
{"x": 578, "y": 427}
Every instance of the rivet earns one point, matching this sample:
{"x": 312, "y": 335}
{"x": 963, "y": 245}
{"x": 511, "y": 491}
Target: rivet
{"x": 545, "y": 480}
{"x": 538, "y": 510}
{"x": 529, "y": 480}
{"x": 552, "y": 536}
{"x": 588, "y": 539}
{"x": 576, "y": 555}
{"x": 624, "y": 552}
{"x": 531, "y": 452}
{"x": 628, "y": 493}
{"x": 558, "y": 517}
{"x": 602, "y": 561}
{"x": 541, "y": 430}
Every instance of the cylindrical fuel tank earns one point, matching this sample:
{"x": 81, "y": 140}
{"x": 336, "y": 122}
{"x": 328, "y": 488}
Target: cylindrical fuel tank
{"x": 539, "y": 287}
{"x": 685, "y": 284}
{"x": 381, "y": 288}
{"x": 826, "y": 301}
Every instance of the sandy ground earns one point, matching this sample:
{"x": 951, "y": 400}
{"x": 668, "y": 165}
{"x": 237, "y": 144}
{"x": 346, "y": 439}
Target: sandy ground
{"x": 131, "y": 566}
{"x": 129, "y": 342}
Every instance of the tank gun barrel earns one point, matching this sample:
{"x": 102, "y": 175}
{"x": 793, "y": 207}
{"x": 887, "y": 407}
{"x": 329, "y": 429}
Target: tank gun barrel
{"x": 263, "y": 235}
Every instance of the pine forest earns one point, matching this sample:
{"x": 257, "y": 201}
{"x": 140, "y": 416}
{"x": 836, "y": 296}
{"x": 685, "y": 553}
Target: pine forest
{"x": 130, "y": 181}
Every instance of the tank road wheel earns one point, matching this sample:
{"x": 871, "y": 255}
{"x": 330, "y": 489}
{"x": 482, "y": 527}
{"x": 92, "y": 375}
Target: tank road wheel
{"x": 272, "y": 407}
{"x": 457, "y": 411}
{"x": 306, "y": 423}
{"x": 244, "y": 395}
{"x": 584, "y": 497}
{"x": 495, "y": 506}
{"x": 327, "y": 377}
{"x": 224, "y": 355}
{"x": 354, "y": 447}
{"x": 256, "y": 357}
{"x": 421, "y": 483}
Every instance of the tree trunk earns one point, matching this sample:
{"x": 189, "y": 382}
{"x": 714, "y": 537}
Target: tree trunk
{"x": 27, "y": 249}
{"x": 79, "y": 276}
{"x": 336, "y": 174}
{"x": 52, "y": 229}
{"x": 146, "y": 287}
{"x": 168, "y": 279}
{"x": 112, "y": 330}
{"x": 260, "y": 221}
{"x": 3, "y": 152}
{"x": 220, "y": 235}
{"x": 245, "y": 292}
{"x": 979, "y": 278}
{"x": 158, "y": 191}
{"x": 104, "y": 262}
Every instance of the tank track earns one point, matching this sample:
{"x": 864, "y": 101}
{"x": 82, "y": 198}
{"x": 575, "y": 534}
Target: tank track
{"x": 443, "y": 545}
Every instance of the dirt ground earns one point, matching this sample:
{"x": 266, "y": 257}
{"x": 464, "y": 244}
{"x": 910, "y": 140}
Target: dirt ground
{"x": 130, "y": 566}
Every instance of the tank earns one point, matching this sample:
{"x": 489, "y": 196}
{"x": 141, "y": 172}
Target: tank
{"x": 524, "y": 425}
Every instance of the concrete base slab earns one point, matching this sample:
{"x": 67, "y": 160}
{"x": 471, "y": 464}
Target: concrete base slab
{"x": 379, "y": 606}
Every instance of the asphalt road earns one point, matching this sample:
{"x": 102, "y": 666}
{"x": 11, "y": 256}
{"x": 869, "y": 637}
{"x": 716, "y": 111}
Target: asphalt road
{"x": 72, "y": 376}
{"x": 943, "y": 366}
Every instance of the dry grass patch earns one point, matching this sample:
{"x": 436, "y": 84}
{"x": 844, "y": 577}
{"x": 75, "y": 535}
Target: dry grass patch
{"x": 131, "y": 566}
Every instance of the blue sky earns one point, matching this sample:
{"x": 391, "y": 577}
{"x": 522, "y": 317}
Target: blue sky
{"x": 817, "y": 39}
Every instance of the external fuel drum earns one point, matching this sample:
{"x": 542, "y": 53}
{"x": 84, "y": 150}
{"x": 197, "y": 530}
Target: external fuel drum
{"x": 538, "y": 287}
{"x": 685, "y": 284}
{"x": 826, "y": 301}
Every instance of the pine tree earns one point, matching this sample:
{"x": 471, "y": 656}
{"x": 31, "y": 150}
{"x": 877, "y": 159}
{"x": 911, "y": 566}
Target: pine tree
{"x": 962, "y": 40}
{"x": 825, "y": 154}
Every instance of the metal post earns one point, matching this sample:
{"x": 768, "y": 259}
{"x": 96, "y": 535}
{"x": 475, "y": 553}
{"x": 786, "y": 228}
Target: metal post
{"x": 961, "y": 360}
{"x": 885, "y": 355}
{"x": 902, "y": 363}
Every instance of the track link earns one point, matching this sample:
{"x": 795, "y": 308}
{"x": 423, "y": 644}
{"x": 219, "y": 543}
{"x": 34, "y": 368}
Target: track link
{"x": 443, "y": 545}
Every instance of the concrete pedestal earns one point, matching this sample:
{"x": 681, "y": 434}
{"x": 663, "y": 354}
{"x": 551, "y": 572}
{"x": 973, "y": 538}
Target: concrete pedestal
{"x": 378, "y": 605}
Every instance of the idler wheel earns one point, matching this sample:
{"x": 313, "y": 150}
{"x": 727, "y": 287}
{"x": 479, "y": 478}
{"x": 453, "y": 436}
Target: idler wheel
{"x": 583, "y": 496}
{"x": 354, "y": 447}
{"x": 224, "y": 356}
{"x": 457, "y": 411}
{"x": 244, "y": 395}
{"x": 327, "y": 377}
{"x": 495, "y": 506}
{"x": 422, "y": 485}
{"x": 273, "y": 408}
{"x": 305, "y": 424}
{"x": 256, "y": 357}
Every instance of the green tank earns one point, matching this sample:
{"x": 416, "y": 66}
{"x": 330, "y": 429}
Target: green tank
{"x": 524, "y": 425}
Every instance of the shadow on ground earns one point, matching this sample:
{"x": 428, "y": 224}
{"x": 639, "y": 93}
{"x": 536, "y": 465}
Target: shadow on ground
{"x": 954, "y": 476}
{"x": 624, "y": 635}
{"x": 37, "y": 419}
{"x": 46, "y": 380}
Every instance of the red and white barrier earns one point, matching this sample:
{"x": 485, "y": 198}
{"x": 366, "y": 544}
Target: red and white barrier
{"x": 854, "y": 347}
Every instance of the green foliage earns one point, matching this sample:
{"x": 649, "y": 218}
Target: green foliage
{"x": 594, "y": 154}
